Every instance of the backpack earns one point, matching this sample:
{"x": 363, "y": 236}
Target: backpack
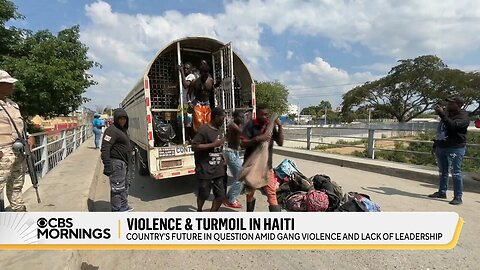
{"x": 282, "y": 193}
{"x": 321, "y": 181}
{"x": 296, "y": 202}
{"x": 333, "y": 200}
{"x": 352, "y": 194}
{"x": 298, "y": 182}
{"x": 316, "y": 201}
{"x": 370, "y": 205}
{"x": 351, "y": 202}
{"x": 286, "y": 168}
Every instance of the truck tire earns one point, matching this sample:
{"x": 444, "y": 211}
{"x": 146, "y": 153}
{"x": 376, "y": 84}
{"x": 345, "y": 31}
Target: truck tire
{"x": 141, "y": 167}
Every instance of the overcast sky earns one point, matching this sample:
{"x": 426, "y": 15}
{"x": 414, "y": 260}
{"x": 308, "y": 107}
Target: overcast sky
{"x": 319, "y": 49}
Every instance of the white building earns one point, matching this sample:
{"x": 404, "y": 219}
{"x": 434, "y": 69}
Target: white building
{"x": 304, "y": 119}
{"x": 293, "y": 109}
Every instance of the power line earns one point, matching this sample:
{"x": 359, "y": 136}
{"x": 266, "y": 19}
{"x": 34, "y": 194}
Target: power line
{"x": 326, "y": 86}
{"x": 323, "y": 95}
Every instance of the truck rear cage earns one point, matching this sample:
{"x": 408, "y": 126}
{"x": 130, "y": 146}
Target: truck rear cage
{"x": 163, "y": 82}
{"x": 157, "y": 98}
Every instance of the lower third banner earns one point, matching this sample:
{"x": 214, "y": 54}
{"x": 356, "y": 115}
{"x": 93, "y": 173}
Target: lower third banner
{"x": 384, "y": 230}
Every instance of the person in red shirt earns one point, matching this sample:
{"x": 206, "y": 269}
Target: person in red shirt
{"x": 252, "y": 136}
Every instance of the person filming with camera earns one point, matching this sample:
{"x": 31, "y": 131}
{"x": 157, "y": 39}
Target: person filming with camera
{"x": 449, "y": 147}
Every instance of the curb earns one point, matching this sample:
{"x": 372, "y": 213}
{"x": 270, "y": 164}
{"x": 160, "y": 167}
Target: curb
{"x": 93, "y": 186}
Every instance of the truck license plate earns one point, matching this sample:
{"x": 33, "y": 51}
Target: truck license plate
{"x": 167, "y": 164}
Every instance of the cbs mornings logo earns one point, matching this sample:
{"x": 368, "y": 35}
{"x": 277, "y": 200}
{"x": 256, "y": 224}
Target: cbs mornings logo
{"x": 63, "y": 228}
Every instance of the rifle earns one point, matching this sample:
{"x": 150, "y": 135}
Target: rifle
{"x": 21, "y": 146}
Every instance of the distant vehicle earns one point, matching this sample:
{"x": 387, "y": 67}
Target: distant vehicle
{"x": 157, "y": 122}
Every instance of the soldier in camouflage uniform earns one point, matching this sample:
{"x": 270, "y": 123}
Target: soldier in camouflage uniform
{"x": 12, "y": 165}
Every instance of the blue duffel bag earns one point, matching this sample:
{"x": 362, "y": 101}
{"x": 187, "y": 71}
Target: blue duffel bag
{"x": 286, "y": 168}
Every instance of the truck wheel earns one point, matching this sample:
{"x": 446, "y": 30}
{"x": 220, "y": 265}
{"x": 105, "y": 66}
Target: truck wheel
{"x": 142, "y": 167}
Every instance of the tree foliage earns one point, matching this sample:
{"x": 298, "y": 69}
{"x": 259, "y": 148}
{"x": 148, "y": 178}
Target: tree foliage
{"x": 8, "y": 36}
{"x": 274, "y": 94}
{"x": 412, "y": 88}
{"x": 51, "y": 69}
{"x": 318, "y": 112}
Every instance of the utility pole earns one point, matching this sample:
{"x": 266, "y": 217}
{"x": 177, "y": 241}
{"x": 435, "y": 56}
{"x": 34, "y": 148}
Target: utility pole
{"x": 298, "y": 114}
{"x": 369, "y": 112}
{"x": 325, "y": 115}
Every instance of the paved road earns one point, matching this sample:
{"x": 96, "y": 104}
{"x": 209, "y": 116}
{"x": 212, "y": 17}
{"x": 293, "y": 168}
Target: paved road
{"x": 393, "y": 194}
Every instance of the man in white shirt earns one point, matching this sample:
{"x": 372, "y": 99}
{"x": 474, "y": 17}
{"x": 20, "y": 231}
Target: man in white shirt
{"x": 187, "y": 78}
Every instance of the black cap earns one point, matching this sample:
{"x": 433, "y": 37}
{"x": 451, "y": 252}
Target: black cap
{"x": 457, "y": 99}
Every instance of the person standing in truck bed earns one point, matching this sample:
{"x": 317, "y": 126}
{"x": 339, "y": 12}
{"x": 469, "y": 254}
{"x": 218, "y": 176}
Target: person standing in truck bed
{"x": 186, "y": 72}
{"x": 202, "y": 90}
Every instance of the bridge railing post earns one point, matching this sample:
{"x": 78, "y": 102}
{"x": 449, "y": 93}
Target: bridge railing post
{"x": 371, "y": 144}
{"x": 44, "y": 146}
{"x": 75, "y": 138}
{"x": 309, "y": 138}
{"x": 64, "y": 144}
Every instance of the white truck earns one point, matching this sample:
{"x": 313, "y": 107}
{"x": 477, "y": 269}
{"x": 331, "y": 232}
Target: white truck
{"x": 155, "y": 101}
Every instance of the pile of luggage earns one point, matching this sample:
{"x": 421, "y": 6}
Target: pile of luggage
{"x": 319, "y": 193}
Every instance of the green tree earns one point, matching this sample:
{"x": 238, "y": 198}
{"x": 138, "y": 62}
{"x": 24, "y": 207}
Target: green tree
{"x": 52, "y": 72}
{"x": 325, "y": 104}
{"x": 11, "y": 36}
{"x": 347, "y": 116}
{"x": 274, "y": 94}
{"x": 292, "y": 116}
{"x": 410, "y": 88}
{"x": 474, "y": 86}
{"x": 311, "y": 110}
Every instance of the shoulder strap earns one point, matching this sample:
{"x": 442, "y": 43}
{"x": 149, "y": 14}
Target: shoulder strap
{"x": 13, "y": 122}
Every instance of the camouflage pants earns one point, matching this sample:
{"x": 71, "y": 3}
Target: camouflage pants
{"x": 12, "y": 175}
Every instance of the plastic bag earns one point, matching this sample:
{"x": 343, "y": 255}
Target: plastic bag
{"x": 163, "y": 131}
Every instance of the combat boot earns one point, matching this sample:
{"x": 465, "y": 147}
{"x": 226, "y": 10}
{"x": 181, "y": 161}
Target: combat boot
{"x": 274, "y": 208}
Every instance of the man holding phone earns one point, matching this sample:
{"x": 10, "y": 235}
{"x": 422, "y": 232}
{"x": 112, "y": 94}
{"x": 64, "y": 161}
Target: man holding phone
{"x": 449, "y": 147}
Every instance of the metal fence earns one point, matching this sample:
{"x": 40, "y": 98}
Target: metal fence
{"x": 51, "y": 148}
{"x": 365, "y": 139}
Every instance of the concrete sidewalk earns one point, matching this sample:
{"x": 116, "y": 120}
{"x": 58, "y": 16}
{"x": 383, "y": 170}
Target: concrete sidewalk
{"x": 402, "y": 170}
{"x": 66, "y": 188}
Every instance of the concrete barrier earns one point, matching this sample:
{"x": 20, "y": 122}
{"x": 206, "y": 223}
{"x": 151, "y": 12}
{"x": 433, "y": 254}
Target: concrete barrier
{"x": 401, "y": 170}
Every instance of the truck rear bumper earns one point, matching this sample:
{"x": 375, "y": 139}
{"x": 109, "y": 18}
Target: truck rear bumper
{"x": 165, "y": 174}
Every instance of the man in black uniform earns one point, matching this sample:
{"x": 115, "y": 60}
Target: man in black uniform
{"x": 116, "y": 155}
